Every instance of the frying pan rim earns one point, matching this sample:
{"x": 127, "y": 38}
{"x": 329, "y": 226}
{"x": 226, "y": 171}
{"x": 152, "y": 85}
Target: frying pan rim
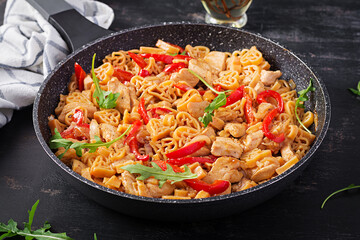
{"x": 260, "y": 187}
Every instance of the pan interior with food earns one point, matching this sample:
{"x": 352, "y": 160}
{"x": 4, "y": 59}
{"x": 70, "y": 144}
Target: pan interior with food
{"x": 216, "y": 38}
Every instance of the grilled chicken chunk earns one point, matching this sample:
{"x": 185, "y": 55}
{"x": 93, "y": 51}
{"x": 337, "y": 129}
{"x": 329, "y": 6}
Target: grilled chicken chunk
{"x": 186, "y": 76}
{"x": 269, "y": 77}
{"x": 217, "y": 60}
{"x": 224, "y": 168}
{"x": 253, "y": 140}
{"x": 226, "y": 147}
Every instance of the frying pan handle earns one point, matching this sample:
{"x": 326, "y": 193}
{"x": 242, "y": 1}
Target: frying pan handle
{"x": 74, "y": 28}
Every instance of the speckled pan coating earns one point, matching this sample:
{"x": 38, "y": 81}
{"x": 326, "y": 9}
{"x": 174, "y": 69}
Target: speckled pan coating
{"x": 216, "y": 38}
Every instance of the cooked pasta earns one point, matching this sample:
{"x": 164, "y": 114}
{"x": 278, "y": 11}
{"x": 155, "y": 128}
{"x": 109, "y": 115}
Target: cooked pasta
{"x": 251, "y": 138}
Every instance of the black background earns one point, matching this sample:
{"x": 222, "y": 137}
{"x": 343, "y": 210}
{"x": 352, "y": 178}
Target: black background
{"x": 325, "y": 34}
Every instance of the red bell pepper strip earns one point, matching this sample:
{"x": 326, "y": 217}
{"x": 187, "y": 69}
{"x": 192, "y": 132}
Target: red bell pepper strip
{"x": 153, "y": 111}
{"x": 134, "y": 130}
{"x": 133, "y": 143}
{"x": 79, "y": 132}
{"x": 122, "y": 75}
{"x": 134, "y": 148}
{"x": 218, "y": 186}
{"x": 78, "y": 116}
{"x": 167, "y": 59}
{"x": 174, "y": 67}
{"x": 80, "y": 76}
{"x": 142, "y": 111}
{"x": 138, "y": 59}
{"x": 187, "y": 150}
{"x": 183, "y": 87}
{"x": 235, "y": 96}
{"x": 265, "y": 127}
{"x": 190, "y": 160}
{"x": 182, "y": 57}
{"x": 176, "y": 46}
{"x": 270, "y": 93}
{"x": 217, "y": 88}
{"x": 78, "y": 129}
{"x": 249, "y": 114}
{"x": 144, "y": 73}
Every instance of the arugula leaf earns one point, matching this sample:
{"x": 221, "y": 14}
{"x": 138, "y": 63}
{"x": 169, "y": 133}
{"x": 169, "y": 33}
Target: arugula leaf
{"x": 218, "y": 102}
{"x": 156, "y": 172}
{"x": 357, "y": 92}
{"x": 351, "y": 186}
{"x": 57, "y": 141}
{"x": 43, "y": 233}
{"x": 302, "y": 98}
{"x": 105, "y": 99}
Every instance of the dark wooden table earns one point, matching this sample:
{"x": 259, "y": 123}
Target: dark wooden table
{"x": 325, "y": 34}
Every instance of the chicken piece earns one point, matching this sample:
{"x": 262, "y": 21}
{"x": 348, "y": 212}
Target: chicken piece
{"x": 91, "y": 109}
{"x": 133, "y": 99}
{"x": 217, "y": 60}
{"x": 205, "y": 150}
{"x": 77, "y": 166}
{"x": 224, "y": 168}
{"x": 203, "y": 69}
{"x": 253, "y": 140}
{"x": 54, "y": 123}
{"x": 217, "y": 123}
{"x": 226, "y": 147}
{"x": 129, "y": 183}
{"x": 286, "y": 152}
{"x": 94, "y": 130}
{"x": 263, "y": 110}
{"x": 157, "y": 192}
{"x": 267, "y": 171}
{"x": 210, "y": 132}
{"x": 259, "y": 87}
{"x": 88, "y": 82}
{"x": 225, "y": 114}
{"x": 235, "y": 129}
{"x": 186, "y": 76}
{"x": 269, "y": 77}
{"x": 197, "y": 109}
{"x": 108, "y": 132}
{"x": 124, "y": 101}
{"x": 160, "y": 104}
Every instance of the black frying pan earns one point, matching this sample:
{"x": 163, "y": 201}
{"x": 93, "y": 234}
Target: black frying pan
{"x": 216, "y": 38}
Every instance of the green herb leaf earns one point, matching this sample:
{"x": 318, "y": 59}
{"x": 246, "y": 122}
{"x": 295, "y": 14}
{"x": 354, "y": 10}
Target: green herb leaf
{"x": 57, "y": 141}
{"x": 95, "y": 237}
{"x": 351, "y": 186}
{"x": 105, "y": 99}
{"x": 218, "y": 102}
{"x": 302, "y": 98}
{"x": 354, "y": 91}
{"x": 43, "y": 233}
{"x": 156, "y": 172}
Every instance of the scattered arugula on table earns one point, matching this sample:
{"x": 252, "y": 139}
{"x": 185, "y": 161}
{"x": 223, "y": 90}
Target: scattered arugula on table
{"x": 57, "y": 141}
{"x": 351, "y": 186}
{"x": 302, "y": 98}
{"x": 156, "y": 172}
{"x": 219, "y": 101}
{"x": 43, "y": 233}
{"x": 105, "y": 99}
{"x": 354, "y": 91}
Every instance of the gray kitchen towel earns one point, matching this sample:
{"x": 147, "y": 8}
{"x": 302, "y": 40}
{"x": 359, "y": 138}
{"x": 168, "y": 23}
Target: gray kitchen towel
{"x": 30, "y": 48}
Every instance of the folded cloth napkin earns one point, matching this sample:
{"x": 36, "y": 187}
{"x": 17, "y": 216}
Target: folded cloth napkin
{"x": 30, "y": 48}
